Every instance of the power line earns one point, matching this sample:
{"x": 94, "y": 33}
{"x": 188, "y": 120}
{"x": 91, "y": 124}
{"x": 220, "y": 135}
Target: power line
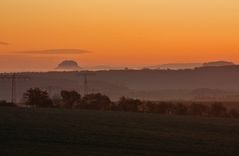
{"x": 86, "y": 84}
{"x": 85, "y": 75}
{"x": 13, "y": 77}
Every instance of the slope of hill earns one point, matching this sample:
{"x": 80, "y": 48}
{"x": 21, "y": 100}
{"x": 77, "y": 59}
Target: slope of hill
{"x": 218, "y": 64}
{"x": 177, "y": 66}
{"x": 147, "y": 84}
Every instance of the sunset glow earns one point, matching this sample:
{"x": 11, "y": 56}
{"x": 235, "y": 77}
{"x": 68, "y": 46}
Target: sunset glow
{"x": 118, "y": 32}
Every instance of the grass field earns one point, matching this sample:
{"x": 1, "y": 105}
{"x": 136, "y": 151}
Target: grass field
{"x": 73, "y": 132}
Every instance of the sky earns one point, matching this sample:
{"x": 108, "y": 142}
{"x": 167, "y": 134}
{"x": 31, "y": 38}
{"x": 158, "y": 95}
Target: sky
{"x": 38, "y": 34}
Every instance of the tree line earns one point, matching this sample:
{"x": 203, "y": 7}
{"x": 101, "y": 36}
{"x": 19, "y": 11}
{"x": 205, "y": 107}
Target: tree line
{"x": 38, "y": 98}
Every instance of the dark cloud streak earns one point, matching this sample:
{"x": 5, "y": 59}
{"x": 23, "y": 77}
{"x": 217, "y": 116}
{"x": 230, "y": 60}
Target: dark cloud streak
{"x": 4, "y": 43}
{"x": 54, "y": 51}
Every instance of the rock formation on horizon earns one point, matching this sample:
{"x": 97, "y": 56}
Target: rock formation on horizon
{"x": 68, "y": 65}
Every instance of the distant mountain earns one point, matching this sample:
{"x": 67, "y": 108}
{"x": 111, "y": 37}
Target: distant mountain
{"x": 68, "y": 65}
{"x": 218, "y": 64}
{"x": 102, "y": 67}
{"x": 72, "y": 65}
{"x": 176, "y": 66}
{"x": 207, "y": 83}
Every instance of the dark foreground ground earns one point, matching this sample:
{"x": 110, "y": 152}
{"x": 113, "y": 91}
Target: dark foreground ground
{"x": 66, "y": 132}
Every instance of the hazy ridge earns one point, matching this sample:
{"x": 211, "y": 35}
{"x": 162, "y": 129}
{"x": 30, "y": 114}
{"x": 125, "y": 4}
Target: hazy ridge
{"x": 200, "y": 83}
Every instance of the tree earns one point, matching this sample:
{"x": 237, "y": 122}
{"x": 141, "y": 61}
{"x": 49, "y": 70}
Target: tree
{"x": 37, "y": 98}
{"x": 218, "y": 110}
{"x": 6, "y": 104}
{"x": 233, "y": 113}
{"x": 57, "y": 101}
{"x": 198, "y": 109}
{"x": 150, "y": 107}
{"x": 180, "y": 109}
{"x": 96, "y": 102}
{"x": 128, "y": 104}
{"x": 71, "y": 99}
{"x": 165, "y": 108}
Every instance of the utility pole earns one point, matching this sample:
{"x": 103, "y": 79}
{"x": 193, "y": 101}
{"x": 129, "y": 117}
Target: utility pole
{"x": 13, "y": 77}
{"x": 14, "y": 99}
{"x": 85, "y": 75}
{"x": 85, "y": 84}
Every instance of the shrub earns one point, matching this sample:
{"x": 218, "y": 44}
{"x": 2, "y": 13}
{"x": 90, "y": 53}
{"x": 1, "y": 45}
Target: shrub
{"x": 233, "y": 113}
{"x": 180, "y": 109}
{"x": 70, "y": 99}
{"x": 129, "y": 105}
{"x": 96, "y": 102}
{"x": 6, "y": 104}
{"x": 218, "y": 110}
{"x": 198, "y": 109}
{"x": 150, "y": 107}
{"x": 165, "y": 108}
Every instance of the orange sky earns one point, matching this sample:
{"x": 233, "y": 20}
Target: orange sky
{"x": 118, "y": 32}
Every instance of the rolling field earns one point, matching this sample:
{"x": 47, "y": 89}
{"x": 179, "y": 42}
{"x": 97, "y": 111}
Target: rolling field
{"x": 74, "y": 132}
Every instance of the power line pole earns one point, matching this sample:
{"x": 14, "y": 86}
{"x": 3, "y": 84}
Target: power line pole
{"x": 13, "y": 77}
{"x": 14, "y": 99}
{"x": 85, "y": 84}
{"x": 85, "y": 75}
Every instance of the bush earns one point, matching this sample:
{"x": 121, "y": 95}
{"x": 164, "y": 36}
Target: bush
{"x": 198, "y": 109}
{"x": 57, "y": 101}
{"x": 96, "y": 102}
{"x": 165, "y": 108}
{"x": 180, "y": 109}
{"x": 233, "y": 113}
{"x": 70, "y": 99}
{"x": 6, "y": 104}
{"x": 218, "y": 110}
{"x": 150, "y": 107}
{"x": 129, "y": 105}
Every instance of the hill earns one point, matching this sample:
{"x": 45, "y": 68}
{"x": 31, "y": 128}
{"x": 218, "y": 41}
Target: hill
{"x": 218, "y": 82}
{"x": 177, "y": 66}
{"x": 218, "y": 64}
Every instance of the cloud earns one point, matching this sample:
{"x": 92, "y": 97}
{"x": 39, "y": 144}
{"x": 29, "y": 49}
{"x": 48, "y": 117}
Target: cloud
{"x": 54, "y": 51}
{"x": 4, "y": 43}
